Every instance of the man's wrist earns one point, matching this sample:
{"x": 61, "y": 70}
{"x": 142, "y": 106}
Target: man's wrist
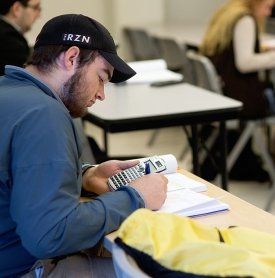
{"x": 86, "y": 166}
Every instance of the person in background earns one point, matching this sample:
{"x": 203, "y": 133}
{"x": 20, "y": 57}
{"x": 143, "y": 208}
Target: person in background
{"x": 232, "y": 42}
{"x": 45, "y": 230}
{"x": 16, "y": 18}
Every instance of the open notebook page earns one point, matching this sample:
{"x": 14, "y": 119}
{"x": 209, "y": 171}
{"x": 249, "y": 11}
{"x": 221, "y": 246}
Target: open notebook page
{"x": 190, "y": 203}
{"x": 178, "y": 181}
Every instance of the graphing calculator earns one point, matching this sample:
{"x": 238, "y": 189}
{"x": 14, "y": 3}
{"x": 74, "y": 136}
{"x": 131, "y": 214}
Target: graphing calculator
{"x": 153, "y": 164}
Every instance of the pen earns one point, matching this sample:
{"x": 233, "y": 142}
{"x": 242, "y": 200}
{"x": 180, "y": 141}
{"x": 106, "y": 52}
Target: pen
{"x": 147, "y": 168}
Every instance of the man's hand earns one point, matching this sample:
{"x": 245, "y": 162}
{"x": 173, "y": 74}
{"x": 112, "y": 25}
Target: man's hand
{"x": 95, "y": 179}
{"x": 153, "y": 189}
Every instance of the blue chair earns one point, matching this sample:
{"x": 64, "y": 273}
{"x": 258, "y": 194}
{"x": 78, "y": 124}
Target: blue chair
{"x": 125, "y": 266}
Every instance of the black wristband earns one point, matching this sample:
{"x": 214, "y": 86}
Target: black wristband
{"x": 85, "y": 167}
{"x": 84, "y": 193}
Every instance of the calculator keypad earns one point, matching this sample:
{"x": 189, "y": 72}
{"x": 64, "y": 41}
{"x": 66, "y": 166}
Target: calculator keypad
{"x": 125, "y": 177}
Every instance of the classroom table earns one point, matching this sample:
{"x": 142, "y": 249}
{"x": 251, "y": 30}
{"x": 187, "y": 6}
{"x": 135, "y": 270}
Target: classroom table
{"x": 241, "y": 213}
{"x": 190, "y": 34}
{"x": 141, "y": 106}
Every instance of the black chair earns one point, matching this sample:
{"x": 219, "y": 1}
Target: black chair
{"x": 175, "y": 56}
{"x": 142, "y": 45}
{"x": 270, "y": 25}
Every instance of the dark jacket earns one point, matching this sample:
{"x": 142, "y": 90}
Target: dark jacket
{"x": 246, "y": 87}
{"x": 14, "y": 48}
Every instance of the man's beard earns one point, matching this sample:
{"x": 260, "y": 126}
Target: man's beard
{"x": 72, "y": 94}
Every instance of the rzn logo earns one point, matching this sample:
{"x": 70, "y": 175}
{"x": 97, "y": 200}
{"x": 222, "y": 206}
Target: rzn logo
{"x": 76, "y": 38}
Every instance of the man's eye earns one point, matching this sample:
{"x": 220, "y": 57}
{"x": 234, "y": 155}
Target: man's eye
{"x": 103, "y": 80}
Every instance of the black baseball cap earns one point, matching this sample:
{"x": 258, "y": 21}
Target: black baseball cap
{"x": 84, "y": 32}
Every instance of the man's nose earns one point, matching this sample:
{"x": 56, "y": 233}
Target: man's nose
{"x": 101, "y": 94}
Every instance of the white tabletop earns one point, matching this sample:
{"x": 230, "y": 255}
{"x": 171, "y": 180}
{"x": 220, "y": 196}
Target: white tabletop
{"x": 191, "y": 34}
{"x": 183, "y": 33}
{"x": 139, "y": 101}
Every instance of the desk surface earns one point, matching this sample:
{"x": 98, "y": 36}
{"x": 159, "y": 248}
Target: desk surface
{"x": 176, "y": 104}
{"x": 241, "y": 213}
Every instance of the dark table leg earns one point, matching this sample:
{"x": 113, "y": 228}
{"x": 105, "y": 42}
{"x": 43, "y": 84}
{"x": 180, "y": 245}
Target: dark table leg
{"x": 223, "y": 153}
{"x": 223, "y": 147}
{"x": 195, "y": 150}
{"x": 106, "y": 142}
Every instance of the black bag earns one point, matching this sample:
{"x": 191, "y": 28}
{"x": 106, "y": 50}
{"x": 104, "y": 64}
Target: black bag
{"x": 248, "y": 166}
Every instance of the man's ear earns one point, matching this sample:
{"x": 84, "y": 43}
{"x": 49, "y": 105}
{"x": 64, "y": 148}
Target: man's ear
{"x": 16, "y": 9}
{"x": 71, "y": 57}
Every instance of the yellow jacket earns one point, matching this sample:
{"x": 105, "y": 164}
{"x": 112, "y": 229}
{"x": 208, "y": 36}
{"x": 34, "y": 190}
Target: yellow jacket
{"x": 182, "y": 244}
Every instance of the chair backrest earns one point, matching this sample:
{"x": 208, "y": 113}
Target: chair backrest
{"x": 270, "y": 26}
{"x": 142, "y": 45}
{"x": 125, "y": 266}
{"x": 205, "y": 73}
{"x": 175, "y": 56}
{"x": 172, "y": 53}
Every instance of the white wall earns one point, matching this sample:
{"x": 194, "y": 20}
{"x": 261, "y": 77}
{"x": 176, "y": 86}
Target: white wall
{"x": 51, "y": 8}
{"x": 133, "y": 12}
{"x": 115, "y": 14}
{"x": 191, "y": 11}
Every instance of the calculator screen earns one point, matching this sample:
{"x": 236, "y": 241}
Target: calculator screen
{"x": 158, "y": 163}
{"x": 153, "y": 167}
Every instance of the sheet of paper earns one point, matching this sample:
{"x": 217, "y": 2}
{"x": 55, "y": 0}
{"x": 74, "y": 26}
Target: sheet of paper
{"x": 190, "y": 203}
{"x": 150, "y": 71}
{"x": 178, "y": 181}
{"x": 269, "y": 43}
{"x": 184, "y": 199}
{"x": 148, "y": 65}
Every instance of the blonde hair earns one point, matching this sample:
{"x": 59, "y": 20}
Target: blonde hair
{"x": 220, "y": 29}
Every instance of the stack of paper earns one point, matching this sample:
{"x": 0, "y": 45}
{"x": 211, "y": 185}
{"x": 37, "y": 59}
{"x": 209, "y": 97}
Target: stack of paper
{"x": 183, "y": 197}
{"x": 178, "y": 181}
{"x": 268, "y": 43}
{"x": 150, "y": 71}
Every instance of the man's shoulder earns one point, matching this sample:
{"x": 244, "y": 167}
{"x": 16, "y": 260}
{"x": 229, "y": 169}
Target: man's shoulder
{"x": 24, "y": 88}
{"x": 6, "y": 27}
{"x": 8, "y": 32}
